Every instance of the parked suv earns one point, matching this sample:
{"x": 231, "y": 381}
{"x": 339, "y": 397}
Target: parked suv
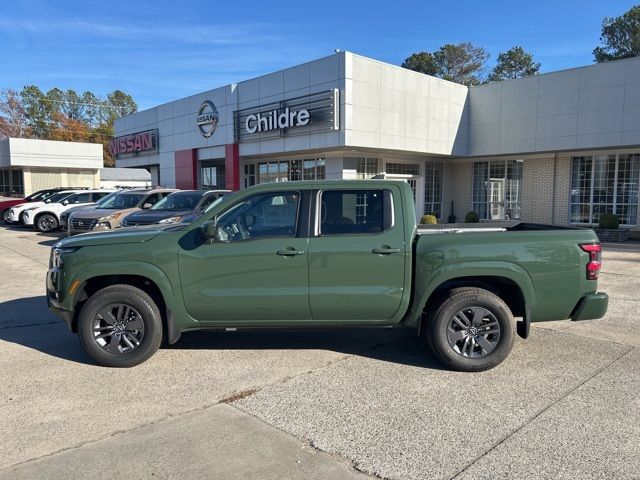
{"x": 16, "y": 213}
{"x": 175, "y": 208}
{"x": 64, "y": 216}
{"x": 110, "y": 214}
{"x": 39, "y": 196}
{"x": 47, "y": 217}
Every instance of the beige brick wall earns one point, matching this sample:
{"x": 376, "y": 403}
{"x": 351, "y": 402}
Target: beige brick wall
{"x": 562, "y": 190}
{"x": 457, "y": 186}
{"x": 537, "y": 190}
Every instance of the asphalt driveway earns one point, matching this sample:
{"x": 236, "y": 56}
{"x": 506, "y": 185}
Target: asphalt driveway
{"x": 329, "y": 404}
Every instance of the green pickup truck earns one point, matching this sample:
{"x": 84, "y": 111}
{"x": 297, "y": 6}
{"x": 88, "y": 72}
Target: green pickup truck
{"x": 317, "y": 254}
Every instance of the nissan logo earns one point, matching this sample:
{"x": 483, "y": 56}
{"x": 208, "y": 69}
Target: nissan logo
{"x": 207, "y": 119}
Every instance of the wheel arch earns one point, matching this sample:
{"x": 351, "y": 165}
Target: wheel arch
{"x": 513, "y": 285}
{"x": 148, "y": 285}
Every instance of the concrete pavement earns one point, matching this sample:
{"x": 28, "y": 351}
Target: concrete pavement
{"x": 332, "y": 404}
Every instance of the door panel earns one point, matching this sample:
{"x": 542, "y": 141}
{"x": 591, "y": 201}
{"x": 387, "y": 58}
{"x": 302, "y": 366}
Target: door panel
{"x": 354, "y": 272}
{"x": 258, "y": 271}
{"x": 246, "y": 280}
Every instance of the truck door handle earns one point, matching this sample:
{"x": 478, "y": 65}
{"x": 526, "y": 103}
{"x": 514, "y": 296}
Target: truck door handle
{"x": 386, "y": 250}
{"x": 290, "y": 252}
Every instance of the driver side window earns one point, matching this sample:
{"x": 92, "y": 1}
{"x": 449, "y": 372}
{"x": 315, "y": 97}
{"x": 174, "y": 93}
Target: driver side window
{"x": 262, "y": 215}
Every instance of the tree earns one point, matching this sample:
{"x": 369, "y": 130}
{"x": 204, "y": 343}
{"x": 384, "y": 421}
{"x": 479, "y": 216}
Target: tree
{"x": 422, "y": 62}
{"x": 13, "y": 118}
{"x": 461, "y": 63}
{"x": 514, "y": 63}
{"x": 63, "y": 115}
{"x": 620, "y": 37}
{"x": 120, "y": 104}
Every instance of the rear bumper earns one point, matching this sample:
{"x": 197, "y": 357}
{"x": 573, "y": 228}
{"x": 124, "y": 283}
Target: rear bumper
{"x": 591, "y": 306}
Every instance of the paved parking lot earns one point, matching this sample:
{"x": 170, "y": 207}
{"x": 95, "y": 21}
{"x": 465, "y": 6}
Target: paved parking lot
{"x": 330, "y": 404}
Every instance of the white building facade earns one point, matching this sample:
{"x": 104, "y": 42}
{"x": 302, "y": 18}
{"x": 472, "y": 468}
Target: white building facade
{"x": 560, "y": 147}
{"x": 28, "y": 165}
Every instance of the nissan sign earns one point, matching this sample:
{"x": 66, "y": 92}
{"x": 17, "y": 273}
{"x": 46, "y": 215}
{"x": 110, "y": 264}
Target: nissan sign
{"x": 135, "y": 143}
{"x": 207, "y": 119}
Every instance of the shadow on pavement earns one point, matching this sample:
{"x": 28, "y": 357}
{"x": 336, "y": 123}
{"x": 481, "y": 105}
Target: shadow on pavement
{"x": 27, "y": 322}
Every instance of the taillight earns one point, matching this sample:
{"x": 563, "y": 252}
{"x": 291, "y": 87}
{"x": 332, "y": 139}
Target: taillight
{"x": 595, "y": 259}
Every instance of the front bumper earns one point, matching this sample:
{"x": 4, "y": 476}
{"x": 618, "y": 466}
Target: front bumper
{"x": 54, "y": 300}
{"x": 14, "y": 217}
{"x": 591, "y": 306}
{"x": 27, "y": 219}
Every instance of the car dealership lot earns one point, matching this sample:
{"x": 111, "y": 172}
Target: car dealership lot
{"x": 330, "y": 404}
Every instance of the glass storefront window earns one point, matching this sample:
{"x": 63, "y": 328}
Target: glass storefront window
{"x": 433, "y": 189}
{"x": 291, "y": 170}
{"x": 367, "y": 168}
{"x": 5, "y": 186}
{"x": 497, "y": 189}
{"x": 213, "y": 176}
{"x": 604, "y": 184}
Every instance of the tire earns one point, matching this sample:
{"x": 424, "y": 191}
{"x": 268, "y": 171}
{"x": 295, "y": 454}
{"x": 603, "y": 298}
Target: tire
{"x": 46, "y": 223}
{"x": 145, "y": 326}
{"x": 455, "y": 330}
{"x": 5, "y": 217}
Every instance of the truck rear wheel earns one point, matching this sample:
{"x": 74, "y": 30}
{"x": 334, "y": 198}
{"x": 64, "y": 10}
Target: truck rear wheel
{"x": 471, "y": 330}
{"x": 120, "y": 326}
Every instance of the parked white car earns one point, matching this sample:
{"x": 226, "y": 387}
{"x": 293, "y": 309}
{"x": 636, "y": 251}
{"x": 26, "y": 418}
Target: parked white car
{"x": 16, "y": 212}
{"x": 46, "y": 218}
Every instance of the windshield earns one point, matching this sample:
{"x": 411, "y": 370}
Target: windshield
{"x": 106, "y": 198}
{"x": 218, "y": 202}
{"x": 39, "y": 196}
{"x": 179, "y": 201}
{"x": 57, "y": 197}
{"x": 122, "y": 200}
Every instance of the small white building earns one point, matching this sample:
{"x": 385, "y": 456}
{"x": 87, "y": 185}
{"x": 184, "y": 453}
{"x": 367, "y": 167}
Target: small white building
{"x": 28, "y": 165}
{"x": 125, "y": 178}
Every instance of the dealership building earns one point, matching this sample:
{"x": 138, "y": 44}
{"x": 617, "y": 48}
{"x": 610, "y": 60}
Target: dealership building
{"x": 28, "y": 165}
{"x": 560, "y": 147}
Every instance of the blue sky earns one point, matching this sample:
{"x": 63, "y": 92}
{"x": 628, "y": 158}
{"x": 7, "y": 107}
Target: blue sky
{"x": 163, "y": 50}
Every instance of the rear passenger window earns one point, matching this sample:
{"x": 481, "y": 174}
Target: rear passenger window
{"x": 344, "y": 212}
{"x": 80, "y": 198}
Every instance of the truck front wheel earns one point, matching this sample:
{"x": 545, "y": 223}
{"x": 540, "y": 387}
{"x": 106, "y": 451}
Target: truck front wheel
{"x": 471, "y": 330}
{"x": 120, "y": 326}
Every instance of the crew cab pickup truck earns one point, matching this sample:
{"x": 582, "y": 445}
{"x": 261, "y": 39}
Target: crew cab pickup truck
{"x": 317, "y": 254}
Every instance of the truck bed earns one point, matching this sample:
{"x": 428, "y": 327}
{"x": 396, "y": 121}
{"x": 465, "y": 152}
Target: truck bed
{"x": 506, "y": 226}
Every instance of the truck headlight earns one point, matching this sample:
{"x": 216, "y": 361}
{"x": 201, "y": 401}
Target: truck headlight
{"x": 171, "y": 219}
{"x": 57, "y": 254}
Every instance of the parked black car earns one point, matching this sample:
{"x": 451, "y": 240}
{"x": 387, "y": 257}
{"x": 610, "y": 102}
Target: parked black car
{"x": 179, "y": 207}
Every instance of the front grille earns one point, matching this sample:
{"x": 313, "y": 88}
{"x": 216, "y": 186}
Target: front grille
{"x": 135, "y": 223}
{"x": 81, "y": 224}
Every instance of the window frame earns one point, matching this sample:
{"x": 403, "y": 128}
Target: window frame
{"x": 483, "y": 196}
{"x": 317, "y": 224}
{"x": 616, "y": 157}
{"x": 298, "y": 228}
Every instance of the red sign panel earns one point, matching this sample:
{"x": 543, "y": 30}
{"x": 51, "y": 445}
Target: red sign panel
{"x": 134, "y": 143}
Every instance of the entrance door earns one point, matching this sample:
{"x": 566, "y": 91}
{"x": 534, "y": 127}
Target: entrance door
{"x": 357, "y": 257}
{"x": 258, "y": 271}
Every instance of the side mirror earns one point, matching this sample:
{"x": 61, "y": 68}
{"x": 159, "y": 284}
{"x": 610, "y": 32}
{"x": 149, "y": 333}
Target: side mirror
{"x": 210, "y": 231}
{"x": 147, "y": 206}
{"x": 66, "y": 202}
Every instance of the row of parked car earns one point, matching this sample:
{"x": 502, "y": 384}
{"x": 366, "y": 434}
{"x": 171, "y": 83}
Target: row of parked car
{"x": 80, "y": 210}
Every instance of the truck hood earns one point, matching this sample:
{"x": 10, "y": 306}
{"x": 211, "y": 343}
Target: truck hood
{"x": 115, "y": 237}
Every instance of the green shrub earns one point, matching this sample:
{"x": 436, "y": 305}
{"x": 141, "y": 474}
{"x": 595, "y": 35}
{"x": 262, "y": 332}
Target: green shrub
{"x": 609, "y": 220}
{"x": 429, "y": 220}
{"x": 471, "y": 217}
